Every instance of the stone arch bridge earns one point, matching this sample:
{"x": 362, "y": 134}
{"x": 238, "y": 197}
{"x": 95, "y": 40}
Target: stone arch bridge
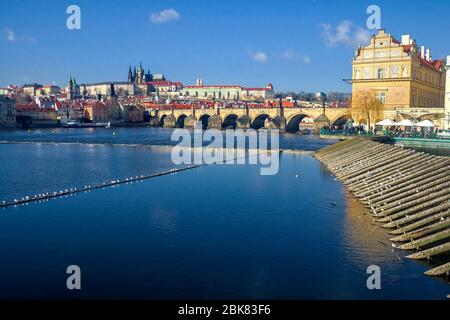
{"x": 286, "y": 119}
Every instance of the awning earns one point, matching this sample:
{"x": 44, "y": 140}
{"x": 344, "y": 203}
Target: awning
{"x": 425, "y": 124}
{"x": 405, "y": 123}
{"x": 386, "y": 123}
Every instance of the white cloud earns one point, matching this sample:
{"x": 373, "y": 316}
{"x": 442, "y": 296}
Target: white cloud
{"x": 346, "y": 33}
{"x": 306, "y": 60}
{"x": 288, "y": 54}
{"x": 164, "y": 16}
{"x": 10, "y": 35}
{"x": 260, "y": 57}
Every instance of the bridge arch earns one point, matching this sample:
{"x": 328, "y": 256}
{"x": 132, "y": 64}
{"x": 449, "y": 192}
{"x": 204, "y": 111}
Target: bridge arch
{"x": 430, "y": 116}
{"x": 180, "y": 121}
{"x": 259, "y": 121}
{"x": 341, "y": 120}
{"x": 293, "y": 123}
{"x": 230, "y": 121}
{"x": 204, "y": 119}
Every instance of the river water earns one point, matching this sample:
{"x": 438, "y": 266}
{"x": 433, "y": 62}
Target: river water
{"x": 217, "y": 232}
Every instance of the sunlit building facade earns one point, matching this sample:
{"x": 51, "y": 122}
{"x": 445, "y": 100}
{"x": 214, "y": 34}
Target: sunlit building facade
{"x": 404, "y": 77}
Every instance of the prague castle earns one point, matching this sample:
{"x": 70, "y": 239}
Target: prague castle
{"x": 138, "y": 76}
{"x": 404, "y": 77}
{"x": 141, "y": 83}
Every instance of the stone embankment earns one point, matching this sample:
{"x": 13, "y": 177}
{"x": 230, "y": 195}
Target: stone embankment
{"x": 405, "y": 191}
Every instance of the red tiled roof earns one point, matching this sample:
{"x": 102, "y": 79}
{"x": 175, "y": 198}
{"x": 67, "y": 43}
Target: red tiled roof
{"x": 164, "y": 83}
{"x": 27, "y": 107}
{"x": 436, "y": 64}
{"x": 213, "y": 86}
{"x": 257, "y": 89}
{"x": 407, "y": 48}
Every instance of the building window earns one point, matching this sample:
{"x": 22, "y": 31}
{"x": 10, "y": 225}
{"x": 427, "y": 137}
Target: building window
{"x": 380, "y": 73}
{"x": 395, "y": 71}
{"x": 381, "y": 96}
{"x": 381, "y": 54}
{"x": 367, "y": 73}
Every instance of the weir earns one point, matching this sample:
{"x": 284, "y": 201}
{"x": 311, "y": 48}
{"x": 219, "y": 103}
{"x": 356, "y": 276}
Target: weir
{"x": 72, "y": 191}
{"x": 406, "y": 191}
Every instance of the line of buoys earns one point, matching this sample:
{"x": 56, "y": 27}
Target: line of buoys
{"x": 87, "y": 188}
{"x": 407, "y": 191}
{"x": 74, "y": 190}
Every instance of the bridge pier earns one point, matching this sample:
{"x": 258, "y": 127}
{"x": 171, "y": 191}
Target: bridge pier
{"x": 170, "y": 121}
{"x": 243, "y": 122}
{"x": 215, "y": 122}
{"x": 189, "y": 121}
{"x": 276, "y": 123}
{"x": 154, "y": 120}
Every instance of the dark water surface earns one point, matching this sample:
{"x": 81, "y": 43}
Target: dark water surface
{"x": 137, "y": 136}
{"x": 221, "y": 231}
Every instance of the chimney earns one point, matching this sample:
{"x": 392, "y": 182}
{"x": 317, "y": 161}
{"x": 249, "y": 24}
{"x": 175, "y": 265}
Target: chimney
{"x": 422, "y": 52}
{"x": 406, "y": 39}
{"x": 428, "y": 55}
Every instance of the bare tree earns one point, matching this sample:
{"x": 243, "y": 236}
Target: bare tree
{"x": 366, "y": 106}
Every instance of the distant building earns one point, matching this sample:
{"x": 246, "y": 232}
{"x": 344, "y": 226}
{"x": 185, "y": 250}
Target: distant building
{"x": 97, "y": 112}
{"x": 70, "y": 111}
{"x": 45, "y": 102}
{"x": 258, "y": 93}
{"x": 5, "y": 91}
{"x": 447, "y": 96}
{"x": 131, "y": 114}
{"x": 139, "y": 76}
{"x": 165, "y": 87}
{"x": 31, "y": 114}
{"x": 50, "y": 90}
{"x": 227, "y": 92}
{"x": 32, "y": 89}
{"x": 403, "y": 77}
{"x": 7, "y": 112}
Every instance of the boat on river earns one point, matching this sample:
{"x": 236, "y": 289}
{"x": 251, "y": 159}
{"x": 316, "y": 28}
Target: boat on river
{"x": 76, "y": 124}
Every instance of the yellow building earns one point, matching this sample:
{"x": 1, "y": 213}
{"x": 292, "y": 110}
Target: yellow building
{"x": 404, "y": 77}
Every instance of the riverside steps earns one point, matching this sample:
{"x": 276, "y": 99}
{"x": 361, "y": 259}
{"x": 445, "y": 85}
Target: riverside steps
{"x": 405, "y": 191}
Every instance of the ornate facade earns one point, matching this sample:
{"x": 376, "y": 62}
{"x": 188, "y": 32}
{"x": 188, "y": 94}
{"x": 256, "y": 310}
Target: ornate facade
{"x": 404, "y": 77}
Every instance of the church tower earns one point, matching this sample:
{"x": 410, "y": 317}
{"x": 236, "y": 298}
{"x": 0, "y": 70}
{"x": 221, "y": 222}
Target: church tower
{"x": 140, "y": 74}
{"x": 70, "y": 88}
{"x": 130, "y": 75}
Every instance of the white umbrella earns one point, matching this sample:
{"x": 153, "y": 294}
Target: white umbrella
{"x": 425, "y": 124}
{"x": 405, "y": 123}
{"x": 386, "y": 123}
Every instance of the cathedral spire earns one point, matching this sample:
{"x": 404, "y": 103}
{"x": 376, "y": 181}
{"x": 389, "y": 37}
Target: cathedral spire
{"x": 130, "y": 75}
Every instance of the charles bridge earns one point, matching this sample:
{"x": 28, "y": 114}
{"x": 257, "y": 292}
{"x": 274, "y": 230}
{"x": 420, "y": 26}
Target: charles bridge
{"x": 284, "y": 119}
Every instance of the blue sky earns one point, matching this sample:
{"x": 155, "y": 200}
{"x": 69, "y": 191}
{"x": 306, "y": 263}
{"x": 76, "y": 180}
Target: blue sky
{"x": 293, "y": 44}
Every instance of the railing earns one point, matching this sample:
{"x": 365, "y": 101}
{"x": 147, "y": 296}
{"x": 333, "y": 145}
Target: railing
{"x": 384, "y": 133}
{"x": 327, "y": 132}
